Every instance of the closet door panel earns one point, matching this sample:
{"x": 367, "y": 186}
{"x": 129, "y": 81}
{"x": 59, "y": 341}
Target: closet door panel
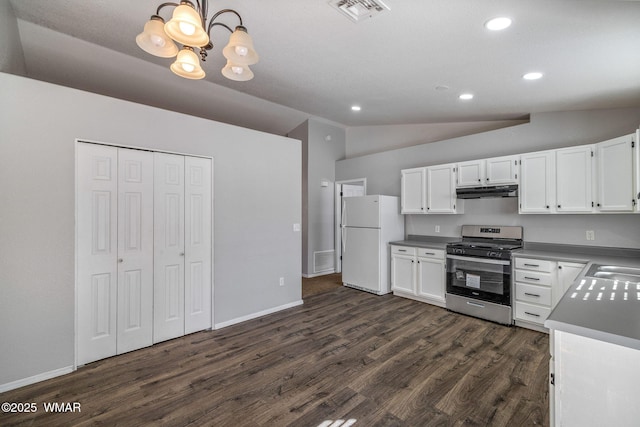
{"x": 135, "y": 249}
{"x": 96, "y": 246}
{"x": 198, "y": 244}
{"x": 169, "y": 248}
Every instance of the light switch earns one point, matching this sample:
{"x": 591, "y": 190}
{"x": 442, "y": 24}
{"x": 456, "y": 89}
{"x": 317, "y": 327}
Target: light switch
{"x": 296, "y": 227}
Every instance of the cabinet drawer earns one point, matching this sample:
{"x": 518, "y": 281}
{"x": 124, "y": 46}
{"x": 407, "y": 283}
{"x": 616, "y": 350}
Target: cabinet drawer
{"x": 533, "y": 293}
{"x": 431, "y": 253}
{"x": 535, "y": 264}
{"x": 403, "y": 250}
{"x": 534, "y": 277}
{"x": 531, "y": 313}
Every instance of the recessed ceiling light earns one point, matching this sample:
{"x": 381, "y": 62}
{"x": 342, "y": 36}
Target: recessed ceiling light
{"x": 497, "y": 24}
{"x": 466, "y": 96}
{"x": 355, "y": 108}
{"x": 532, "y": 76}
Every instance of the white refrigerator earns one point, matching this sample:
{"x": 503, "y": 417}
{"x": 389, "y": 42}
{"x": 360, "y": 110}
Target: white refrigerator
{"x": 368, "y": 224}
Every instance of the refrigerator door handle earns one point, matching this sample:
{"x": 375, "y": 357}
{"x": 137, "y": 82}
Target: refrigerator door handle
{"x": 343, "y": 227}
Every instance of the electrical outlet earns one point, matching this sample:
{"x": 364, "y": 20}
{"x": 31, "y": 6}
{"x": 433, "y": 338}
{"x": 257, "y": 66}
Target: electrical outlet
{"x": 282, "y": 281}
{"x": 591, "y": 235}
{"x": 437, "y": 228}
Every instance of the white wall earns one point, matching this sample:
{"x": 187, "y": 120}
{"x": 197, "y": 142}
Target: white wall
{"x": 363, "y": 140}
{"x": 322, "y": 145}
{"x": 11, "y": 54}
{"x": 545, "y": 131}
{"x": 257, "y": 199}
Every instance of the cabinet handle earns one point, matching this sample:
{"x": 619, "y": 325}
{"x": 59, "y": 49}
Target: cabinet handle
{"x": 532, "y": 265}
{"x": 547, "y": 206}
{"x": 531, "y": 295}
{"x": 532, "y": 314}
{"x": 429, "y": 253}
{"x": 181, "y": 253}
{"x": 531, "y": 278}
{"x": 479, "y": 180}
{"x": 559, "y": 206}
{"x": 402, "y": 250}
{"x": 559, "y": 267}
{"x": 120, "y": 260}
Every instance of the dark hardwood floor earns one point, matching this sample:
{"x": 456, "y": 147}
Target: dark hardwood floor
{"x": 344, "y": 354}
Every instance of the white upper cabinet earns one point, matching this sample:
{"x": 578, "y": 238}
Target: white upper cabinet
{"x": 493, "y": 171}
{"x": 429, "y": 190}
{"x": 471, "y": 174}
{"x": 441, "y": 189}
{"x": 413, "y": 191}
{"x": 502, "y": 170}
{"x": 537, "y": 182}
{"x": 574, "y": 168}
{"x": 614, "y": 172}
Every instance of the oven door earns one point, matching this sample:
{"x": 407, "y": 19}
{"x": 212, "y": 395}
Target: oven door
{"x": 480, "y": 278}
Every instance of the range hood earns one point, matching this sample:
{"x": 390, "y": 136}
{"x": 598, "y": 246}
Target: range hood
{"x": 486, "y": 192}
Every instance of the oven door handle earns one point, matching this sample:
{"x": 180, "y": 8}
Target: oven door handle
{"x": 480, "y": 260}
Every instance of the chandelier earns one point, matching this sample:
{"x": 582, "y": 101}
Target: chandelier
{"x": 189, "y": 27}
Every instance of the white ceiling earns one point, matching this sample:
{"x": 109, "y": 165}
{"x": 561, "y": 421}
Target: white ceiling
{"x": 315, "y": 62}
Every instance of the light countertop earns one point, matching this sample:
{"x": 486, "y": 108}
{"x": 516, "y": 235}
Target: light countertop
{"x": 600, "y": 310}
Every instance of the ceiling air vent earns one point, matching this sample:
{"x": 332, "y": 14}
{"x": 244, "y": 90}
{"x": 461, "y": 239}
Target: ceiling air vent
{"x": 359, "y": 10}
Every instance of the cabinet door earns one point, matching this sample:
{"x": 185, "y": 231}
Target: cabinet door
{"x": 573, "y": 179}
{"x": 413, "y": 191}
{"x": 471, "y": 174}
{"x": 135, "y": 249}
{"x": 502, "y": 170}
{"x": 614, "y": 162}
{"x": 431, "y": 279}
{"x": 169, "y": 254}
{"x": 441, "y": 189}
{"x": 567, "y": 274}
{"x": 197, "y": 244}
{"x": 97, "y": 198}
{"x": 403, "y": 273}
{"x": 537, "y": 174}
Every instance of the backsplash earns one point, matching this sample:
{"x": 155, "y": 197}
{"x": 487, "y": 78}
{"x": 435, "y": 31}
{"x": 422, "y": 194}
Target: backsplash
{"x": 615, "y": 230}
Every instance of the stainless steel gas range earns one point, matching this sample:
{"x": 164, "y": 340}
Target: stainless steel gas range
{"x": 479, "y": 271}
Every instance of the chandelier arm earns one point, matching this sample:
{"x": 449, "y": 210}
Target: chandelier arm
{"x": 220, "y": 12}
{"x": 163, "y": 5}
{"x": 202, "y": 9}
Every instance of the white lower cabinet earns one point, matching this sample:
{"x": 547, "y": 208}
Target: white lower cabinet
{"x": 418, "y": 273}
{"x": 138, "y": 260}
{"x": 592, "y": 382}
{"x": 538, "y": 285}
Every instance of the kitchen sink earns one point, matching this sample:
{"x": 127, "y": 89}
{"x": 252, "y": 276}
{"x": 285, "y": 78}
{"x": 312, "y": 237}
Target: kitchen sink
{"x": 614, "y": 272}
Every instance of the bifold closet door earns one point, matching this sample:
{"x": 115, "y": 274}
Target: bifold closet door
{"x": 97, "y": 251}
{"x": 135, "y": 250}
{"x": 198, "y": 245}
{"x": 114, "y": 250}
{"x": 182, "y": 241}
{"x": 168, "y": 300}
